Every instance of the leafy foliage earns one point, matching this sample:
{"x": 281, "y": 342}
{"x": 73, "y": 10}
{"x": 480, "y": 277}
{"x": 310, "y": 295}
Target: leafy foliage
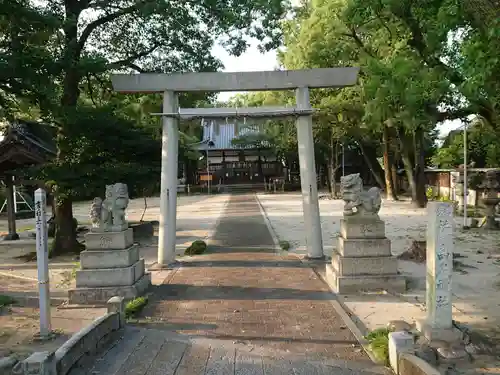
{"x": 482, "y": 148}
{"x": 198, "y": 247}
{"x": 135, "y": 306}
{"x": 378, "y": 340}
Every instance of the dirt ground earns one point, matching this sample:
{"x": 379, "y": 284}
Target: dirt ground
{"x": 18, "y": 325}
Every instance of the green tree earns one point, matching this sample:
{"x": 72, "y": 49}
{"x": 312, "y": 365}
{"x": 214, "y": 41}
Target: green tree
{"x": 26, "y": 66}
{"x": 482, "y": 147}
{"x": 96, "y": 37}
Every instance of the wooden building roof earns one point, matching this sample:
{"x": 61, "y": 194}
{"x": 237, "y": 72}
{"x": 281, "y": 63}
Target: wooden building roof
{"x": 221, "y": 135}
{"x": 24, "y": 143}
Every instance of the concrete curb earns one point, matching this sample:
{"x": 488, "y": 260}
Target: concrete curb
{"x": 341, "y": 310}
{"x": 211, "y": 233}
{"x": 263, "y": 212}
{"x": 83, "y": 345}
{"x": 7, "y": 363}
{"x": 409, "y": 364}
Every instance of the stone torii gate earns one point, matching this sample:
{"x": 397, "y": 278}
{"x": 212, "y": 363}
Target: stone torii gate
{"x": 171, "y": 84}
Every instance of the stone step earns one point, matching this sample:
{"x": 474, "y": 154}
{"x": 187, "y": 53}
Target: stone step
{"x": 154, "y": 352}
{"x": 362, "y": 227}
{"x": 340, "y": 284}
{"x": 97, "y": 259}
{"x": 361, "y": 266}
{"x": 364, "y": 247}
{"x": 100, "y": 295}
{"x": 106, "y": 277}
{"x": 109, "y": 240}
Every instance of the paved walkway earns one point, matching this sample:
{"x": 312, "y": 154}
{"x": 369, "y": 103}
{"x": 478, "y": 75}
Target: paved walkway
{"x": 240, "y": 309}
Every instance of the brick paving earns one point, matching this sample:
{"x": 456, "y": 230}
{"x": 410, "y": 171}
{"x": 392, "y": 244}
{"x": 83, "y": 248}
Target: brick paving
{"x": 254, "y": 296}
{"x": 239, "y": 309}
{"x": 242, "y": 226}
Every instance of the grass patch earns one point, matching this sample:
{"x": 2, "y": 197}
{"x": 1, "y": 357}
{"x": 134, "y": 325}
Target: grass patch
{"x": 6, "y": 300}
{"x": 378, "y": 340}
{"x": 69, "y": 276}
{"x": 285, "y": 245}
{"x": 134, "y": 307}
{"x": 196, "y": 248}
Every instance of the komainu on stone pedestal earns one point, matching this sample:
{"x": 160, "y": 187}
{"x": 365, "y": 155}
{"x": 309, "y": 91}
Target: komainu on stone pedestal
{"x": 357, "y": 201}
{"x": 362, "y": 260}
{"x": 109, "y": 215}
{"x": 110, "y": 265}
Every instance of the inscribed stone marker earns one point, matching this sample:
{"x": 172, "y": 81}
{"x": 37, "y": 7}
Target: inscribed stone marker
{"x": 439, "y": 264}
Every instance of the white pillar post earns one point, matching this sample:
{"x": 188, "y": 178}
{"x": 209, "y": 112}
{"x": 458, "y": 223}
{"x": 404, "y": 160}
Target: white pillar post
{"x": 439, "y": 321}
{"x": 42, "y": 260}
{"x": 439, "y": 264}
{"x": 314, "y": 242}
{"x": 168, "y": 190}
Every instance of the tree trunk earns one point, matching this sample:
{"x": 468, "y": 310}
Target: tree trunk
{"x": 394, "y": 174}
{"x": 390, "y": 192}
{"x": 372, "y": 163}
{"x": 65, "y": 237}
{"x": 420, "y": 180}
{"x": 333, "y": 166}
{"x": 65, "y": 240}
{"x": 416, "y": 187}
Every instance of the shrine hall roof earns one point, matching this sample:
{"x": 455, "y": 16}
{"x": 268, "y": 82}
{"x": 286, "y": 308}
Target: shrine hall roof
{"x": 24, "y": 143}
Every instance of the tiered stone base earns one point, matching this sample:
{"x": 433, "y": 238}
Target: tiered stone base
{"x": 99, "y": 295}
{"x": 363, "y": 260}
{"x": 109, "y": 267}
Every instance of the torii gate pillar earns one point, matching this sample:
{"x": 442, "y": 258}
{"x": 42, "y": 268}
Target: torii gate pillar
{"x": 168, "y": 180}
{"x": 308, "y": 182}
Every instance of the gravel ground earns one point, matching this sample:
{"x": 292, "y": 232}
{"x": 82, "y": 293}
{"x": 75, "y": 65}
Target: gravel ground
{"x": 476, "y": 279}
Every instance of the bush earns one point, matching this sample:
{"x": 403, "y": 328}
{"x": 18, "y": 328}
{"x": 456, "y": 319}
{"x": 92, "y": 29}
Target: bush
{"x": 285, "y": 245}
{"x": 197, "y": 247}
{"x": 6, "y": 300}
{"x": 132, "y": 308}
{"x": 378, "y": 340}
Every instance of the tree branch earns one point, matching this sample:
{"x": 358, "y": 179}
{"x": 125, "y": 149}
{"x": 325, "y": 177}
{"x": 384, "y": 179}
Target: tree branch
{"x": 455, "y": 114}
{"x": 358, "y": 41}
{"x": 129, "y": 61}
{"x": 107, "y": 18}
{"x": 417, "y": 41}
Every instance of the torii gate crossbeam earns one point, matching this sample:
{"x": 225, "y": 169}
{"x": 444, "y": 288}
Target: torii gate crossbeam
{"x": 171, "y": 84}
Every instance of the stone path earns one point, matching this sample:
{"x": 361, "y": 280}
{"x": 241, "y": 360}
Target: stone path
{"x": 148, "y": 352}
{"x": 239, "y": 310}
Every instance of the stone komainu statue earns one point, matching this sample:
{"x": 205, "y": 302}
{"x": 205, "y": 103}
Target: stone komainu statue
{"x": 357, "y": 201}
{"x": 109, "y": 214}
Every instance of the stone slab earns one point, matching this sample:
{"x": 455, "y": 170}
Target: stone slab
{"x": 364, "y": 247}
{"x": 236, "y": 81}
{"x": 109, "y": 240}
{"x": 439, "y": 264}
{"x": 110, "y": 276}
{"x": 369, "y": 283}
{"x": 399, "y": 342}
{"x": 362, "y": 228}
{"x": 97, "y": 259}
{"x": 88, "y": 342}
{"x": 100, "y": 295}
{"x": 450, "y": 335}
{"x": 355, "y": 266}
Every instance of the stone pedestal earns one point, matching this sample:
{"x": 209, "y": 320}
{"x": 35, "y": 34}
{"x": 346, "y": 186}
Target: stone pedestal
{"x": 110, "y": 266}
{"x": 363, "y": 260}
